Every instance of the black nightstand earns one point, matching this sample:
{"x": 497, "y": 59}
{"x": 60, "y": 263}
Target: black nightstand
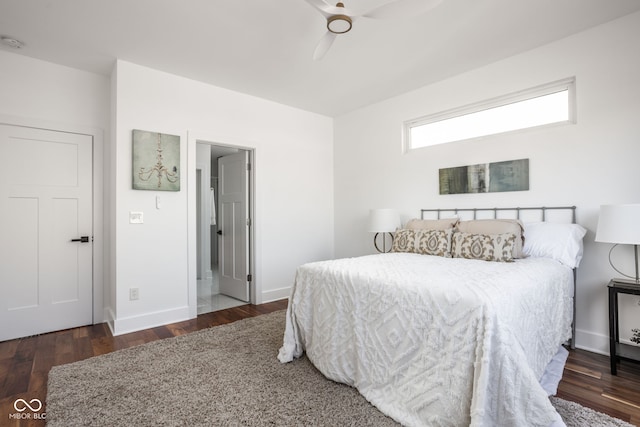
{"x": 618, "y": 350}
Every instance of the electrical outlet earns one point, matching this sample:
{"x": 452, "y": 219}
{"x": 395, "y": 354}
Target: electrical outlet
{"x": 134, "y": 294}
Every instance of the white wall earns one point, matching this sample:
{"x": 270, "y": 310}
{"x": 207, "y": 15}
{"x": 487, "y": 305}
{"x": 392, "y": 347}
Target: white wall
{"x": 588, "y": 164}
{"x": 294, "y": 189}
{"x": 42, "y": 94}
{"x": 40, "y": 90}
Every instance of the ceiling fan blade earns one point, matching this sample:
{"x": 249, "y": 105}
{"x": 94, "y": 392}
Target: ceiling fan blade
{"x": 402, "y": 9}
{"x": 323, "y": 45}
{"x": 325, "y": 8}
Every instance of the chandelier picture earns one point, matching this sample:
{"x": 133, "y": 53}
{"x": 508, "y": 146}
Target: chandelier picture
{"x": 156, "y": 161}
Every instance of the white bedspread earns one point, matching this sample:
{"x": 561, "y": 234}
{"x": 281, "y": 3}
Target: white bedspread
{"x": 435, "y": 341}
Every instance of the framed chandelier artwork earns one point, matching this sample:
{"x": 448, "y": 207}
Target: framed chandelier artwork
{"x": 156, "y": 161}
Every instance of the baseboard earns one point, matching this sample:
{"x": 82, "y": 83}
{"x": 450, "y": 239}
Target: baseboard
{"x": 595, "y": 343}
{"x": 109, "y": 318}
{"x": 276, "y": 294}
{"x": 149, "y": 320}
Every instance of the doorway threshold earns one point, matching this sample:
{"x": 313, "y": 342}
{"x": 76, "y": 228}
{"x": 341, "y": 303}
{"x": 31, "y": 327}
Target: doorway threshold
{"x": 208, "y": 302}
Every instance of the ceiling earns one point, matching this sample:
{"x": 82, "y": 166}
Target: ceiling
{"x": 264, "y": 47}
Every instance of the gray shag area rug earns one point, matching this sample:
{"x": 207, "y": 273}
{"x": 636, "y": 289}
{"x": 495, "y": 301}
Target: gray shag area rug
{"x": 225, "y": 375}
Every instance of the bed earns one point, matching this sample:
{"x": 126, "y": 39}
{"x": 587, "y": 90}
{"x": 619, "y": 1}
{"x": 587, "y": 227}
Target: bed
{"x": 436, "y": 336}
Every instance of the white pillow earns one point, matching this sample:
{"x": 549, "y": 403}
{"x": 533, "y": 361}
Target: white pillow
{"x": 562, "y": 242}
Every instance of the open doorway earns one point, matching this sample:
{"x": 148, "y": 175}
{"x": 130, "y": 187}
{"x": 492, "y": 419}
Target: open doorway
{"x": 223, "y": 232}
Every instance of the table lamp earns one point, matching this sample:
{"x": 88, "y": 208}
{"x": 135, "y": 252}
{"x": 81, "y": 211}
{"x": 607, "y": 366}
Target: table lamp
{"x": 620, "y": 224}
{"x": 383, "y": 221}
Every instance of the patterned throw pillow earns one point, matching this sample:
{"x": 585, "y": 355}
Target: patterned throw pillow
{"x": 496, "y": 226}
{"x": 434, "y": 242}
{"x": 404, "y": 241}
{"x": 487, "y": 247}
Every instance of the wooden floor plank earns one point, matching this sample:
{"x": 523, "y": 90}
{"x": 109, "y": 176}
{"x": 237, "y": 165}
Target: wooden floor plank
{"x": 583, "y": 370}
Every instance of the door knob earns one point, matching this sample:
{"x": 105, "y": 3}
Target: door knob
{"x": 83, "y": 239}
{"x": 219, "y": 232}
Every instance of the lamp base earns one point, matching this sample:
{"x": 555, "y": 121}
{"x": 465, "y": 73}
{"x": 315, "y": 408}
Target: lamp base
{"x": 630, "y": 279}
{"x": 631, "y": 282}
{"x": 384, "y": 242}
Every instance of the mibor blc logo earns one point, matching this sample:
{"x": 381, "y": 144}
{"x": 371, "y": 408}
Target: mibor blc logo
{"x": 21, "y": 406}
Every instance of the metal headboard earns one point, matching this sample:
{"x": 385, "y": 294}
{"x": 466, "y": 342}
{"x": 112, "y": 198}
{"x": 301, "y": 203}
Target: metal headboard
{"x": 541, "y": 209}
{"x": 493, "y": 214}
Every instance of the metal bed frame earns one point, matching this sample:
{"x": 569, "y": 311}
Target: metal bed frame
{"x": 493, "y": 214}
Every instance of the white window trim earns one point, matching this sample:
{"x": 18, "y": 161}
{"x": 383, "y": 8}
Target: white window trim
{"x": 546, "y": 89}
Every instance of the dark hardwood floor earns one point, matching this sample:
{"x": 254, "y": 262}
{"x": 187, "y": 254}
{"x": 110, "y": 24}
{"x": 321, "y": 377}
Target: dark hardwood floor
{"x": 25, "y": 365}
{"x": 587, "y": 380}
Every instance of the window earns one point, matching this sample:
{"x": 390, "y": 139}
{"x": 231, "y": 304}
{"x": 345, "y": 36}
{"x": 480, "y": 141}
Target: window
{"x": 543, "y": 105}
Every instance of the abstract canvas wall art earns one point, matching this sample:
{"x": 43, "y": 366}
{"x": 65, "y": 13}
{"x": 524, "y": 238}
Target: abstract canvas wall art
{"x": 511, "y": 175}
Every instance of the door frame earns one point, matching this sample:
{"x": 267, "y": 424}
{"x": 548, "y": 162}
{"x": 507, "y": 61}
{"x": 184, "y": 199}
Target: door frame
{"x": 193, "y": 138}
{"x": 98, "y": 155}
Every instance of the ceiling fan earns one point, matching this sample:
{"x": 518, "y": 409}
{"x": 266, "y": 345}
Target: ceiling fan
{"x": 340, "y": 19}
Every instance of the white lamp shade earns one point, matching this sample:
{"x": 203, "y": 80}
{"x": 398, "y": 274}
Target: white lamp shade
{"x": 619, "y": 224}
{"x": 383, "y": 220}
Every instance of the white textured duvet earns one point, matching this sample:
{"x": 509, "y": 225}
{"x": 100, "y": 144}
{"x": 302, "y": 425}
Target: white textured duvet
{"x": 435, "y": 341}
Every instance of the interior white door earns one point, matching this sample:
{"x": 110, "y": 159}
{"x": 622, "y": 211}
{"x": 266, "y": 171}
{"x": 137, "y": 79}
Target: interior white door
{"x": 233, "y": 219}
{"x": 46, "y": 202}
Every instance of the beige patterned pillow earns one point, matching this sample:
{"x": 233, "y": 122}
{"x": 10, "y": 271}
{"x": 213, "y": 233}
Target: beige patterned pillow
{"x": 404, "y": 241}
{"x": 487, "y": 247}
{"x": 496, "y": 226}
{"x": 431, "y": 224}
{"x": 434, "y": 242}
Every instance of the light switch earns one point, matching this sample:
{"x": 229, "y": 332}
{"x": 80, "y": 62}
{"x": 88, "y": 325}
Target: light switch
{"x": 135, "y": 218}
{"x": 158, "y": 204}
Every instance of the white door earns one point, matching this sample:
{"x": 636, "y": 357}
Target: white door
{"x": 45, "y": 203}
{"x": 233, "y": 219}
